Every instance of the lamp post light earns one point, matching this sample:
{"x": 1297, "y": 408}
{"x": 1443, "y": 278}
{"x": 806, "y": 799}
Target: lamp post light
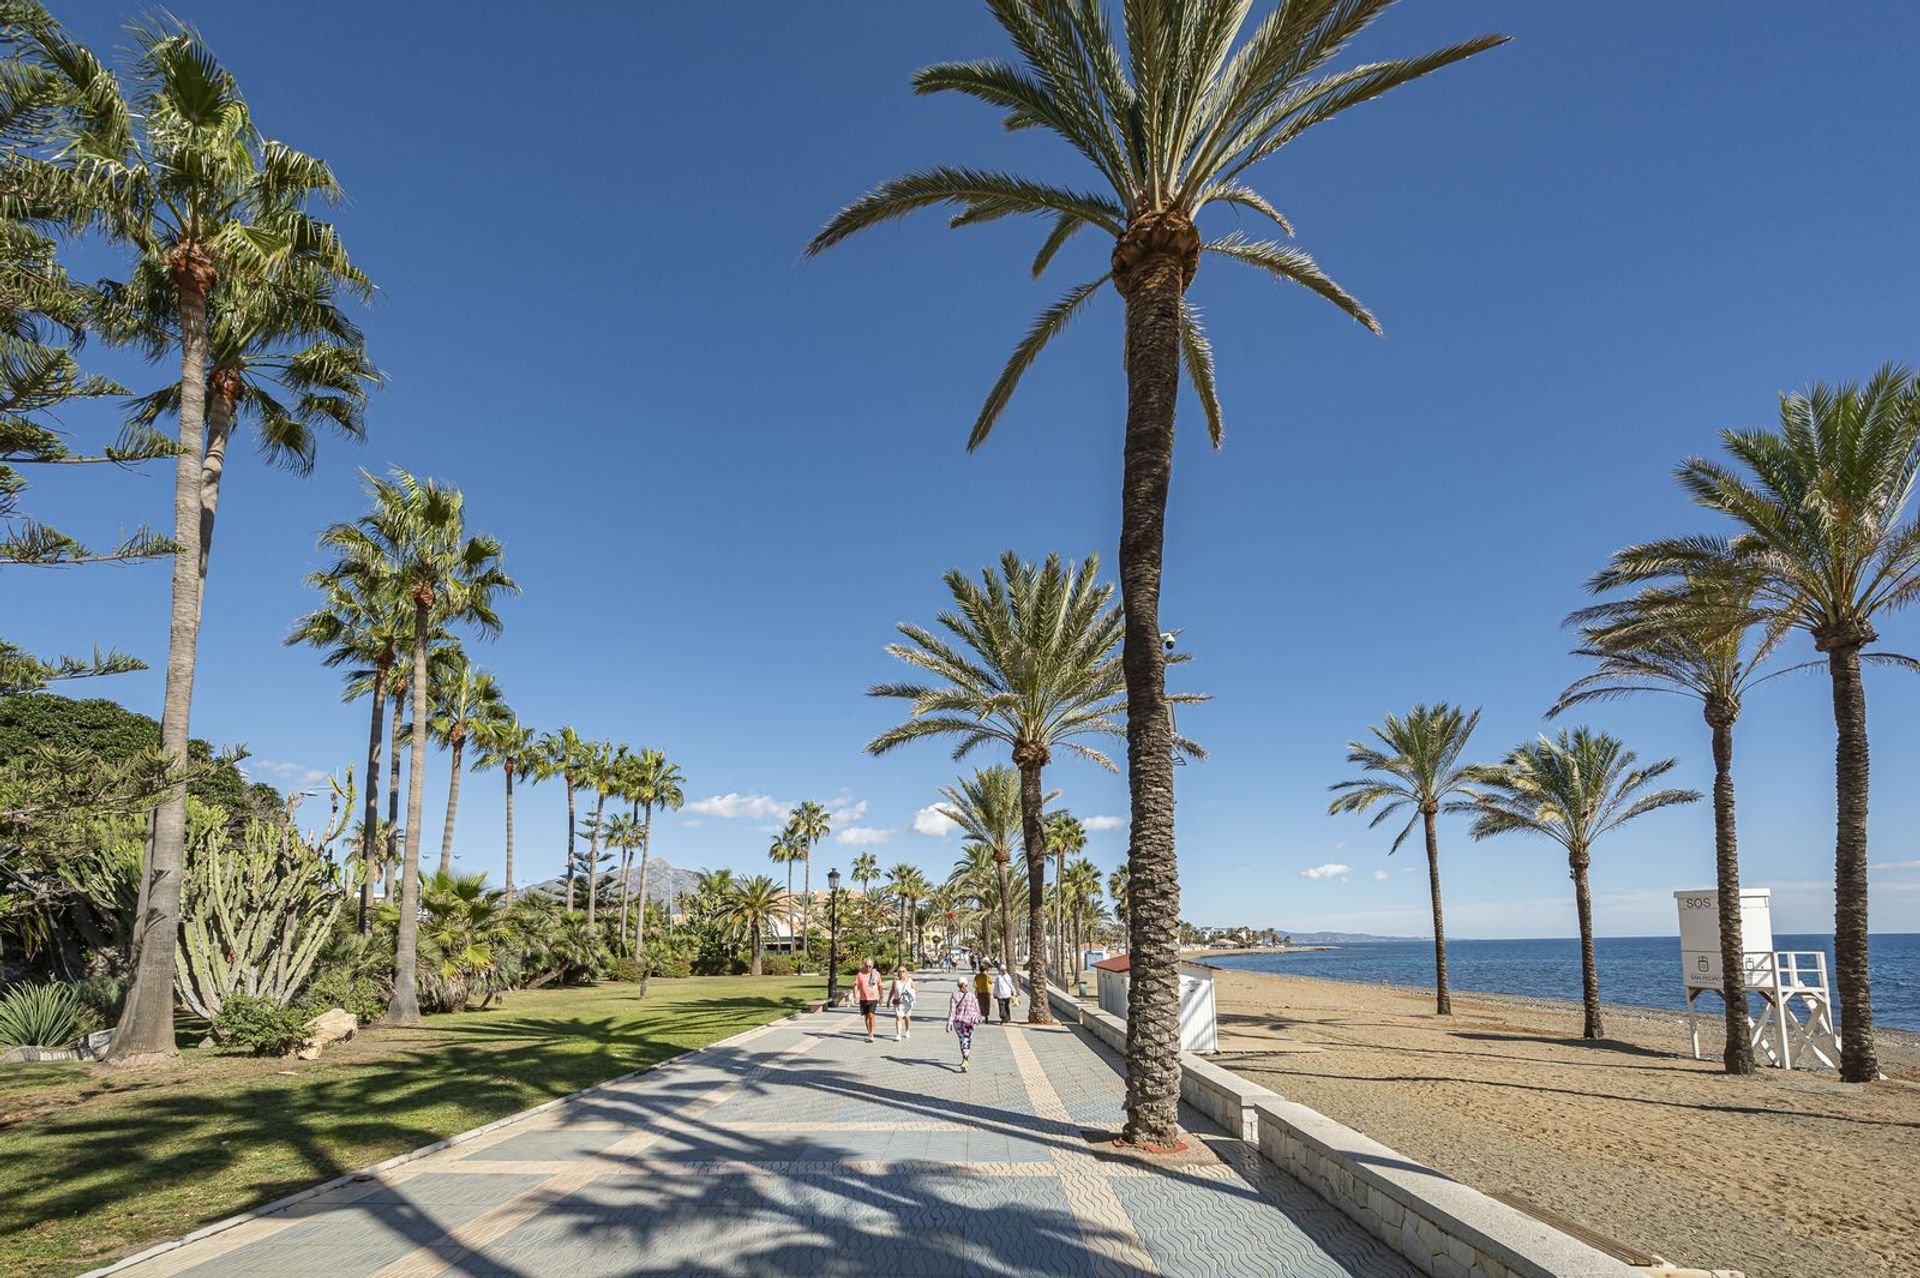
{"x": 833, "y": 935}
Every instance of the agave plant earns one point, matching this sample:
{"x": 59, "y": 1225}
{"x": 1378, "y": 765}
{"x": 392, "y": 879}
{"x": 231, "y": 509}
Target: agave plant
{"x": 44, "y": 1015}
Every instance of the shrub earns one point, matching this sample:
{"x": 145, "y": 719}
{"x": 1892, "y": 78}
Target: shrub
{"x": 102, "y": 995}
{"x": 43, "y": 1015}
{"x": 776, "y": 965}
{"x": 626, "y": 969}
{"x": 673, "y": 965}
{"x": 339, "y": 987}
{"x": 260, "y": 1025}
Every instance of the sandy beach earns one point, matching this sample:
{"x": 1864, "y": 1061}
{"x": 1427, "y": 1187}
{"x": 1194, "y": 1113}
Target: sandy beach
{"x": 1781, "y": 1176}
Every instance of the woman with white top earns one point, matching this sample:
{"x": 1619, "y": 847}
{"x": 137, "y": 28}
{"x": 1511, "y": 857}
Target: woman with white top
{"x": 1003, "y": 992}
{"x": 901, "y": 994}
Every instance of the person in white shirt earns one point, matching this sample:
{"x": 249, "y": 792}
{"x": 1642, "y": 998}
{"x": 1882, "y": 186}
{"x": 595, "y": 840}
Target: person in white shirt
{"x": 1003, "y": 992}
{"x": 901, "y": 994}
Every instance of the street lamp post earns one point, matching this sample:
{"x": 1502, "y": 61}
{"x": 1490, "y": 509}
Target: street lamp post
{"x": 833, "y": 935}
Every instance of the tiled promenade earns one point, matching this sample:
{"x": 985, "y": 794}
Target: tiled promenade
{"x": 803, "y": 1149}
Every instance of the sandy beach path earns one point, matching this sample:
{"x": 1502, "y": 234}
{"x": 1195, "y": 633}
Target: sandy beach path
{"x": 1779, "y": 1175}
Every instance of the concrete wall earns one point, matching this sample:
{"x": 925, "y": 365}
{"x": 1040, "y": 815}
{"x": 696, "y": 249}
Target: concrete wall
{"x": 1445, "y": 1228}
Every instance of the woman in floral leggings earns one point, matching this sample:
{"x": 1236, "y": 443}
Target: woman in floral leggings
{"x": 963, "y": 1013}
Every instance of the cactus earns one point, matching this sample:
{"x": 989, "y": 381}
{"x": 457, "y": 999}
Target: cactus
{"x": 255, "y": 915}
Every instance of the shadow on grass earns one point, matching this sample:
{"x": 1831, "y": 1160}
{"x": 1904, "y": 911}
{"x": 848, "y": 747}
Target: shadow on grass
{"x": 267, "y": 1134}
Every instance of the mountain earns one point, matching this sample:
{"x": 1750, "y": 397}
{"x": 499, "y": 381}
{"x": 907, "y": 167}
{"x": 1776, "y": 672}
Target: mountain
{"x": 1340, "y": 938}
{"x": 664, "y": 881}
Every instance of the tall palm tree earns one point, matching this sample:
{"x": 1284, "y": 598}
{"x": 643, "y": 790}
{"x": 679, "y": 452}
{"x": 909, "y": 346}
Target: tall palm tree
{"x": 467, "y": 699}
{"x": 787, "y": 849}
{"x": 1418, "y": 771}
{"x": 509, "y": 745}
{"x": 809, "y": 823}
{"x": 909, "y": 887}
{"x": 419, "y": 528}
{"x": 623, "y": 832}
{"x": 1169, "y": 121}
{"x": 601, "y": 772}
{"x": 1826, "y": 533}
{"x": 1117, "y": 883}
{"x": 1572, "y": 788}
{"x": 361, "y": 625}
{"x": 1700, "y": 639}
{"x": 1031, "y": 663}
{"x": 1082, "y": 886}
{"x": 750, "y": 905}
{"x": 866, "y": 868}
{"x": 986, "y": 807}
{"x": 1065, "y": 837}
{"x": 562, "y": 754}
{"x": 177, "y": 173}
{"x": 655, "y": 783}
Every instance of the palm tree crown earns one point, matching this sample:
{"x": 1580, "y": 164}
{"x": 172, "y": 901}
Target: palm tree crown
{"x": 1169, "y": 123}
{"x": 1419, "y": 770}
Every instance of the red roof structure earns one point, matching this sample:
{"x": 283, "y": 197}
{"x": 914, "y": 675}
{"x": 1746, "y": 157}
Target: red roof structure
{"x": 1118, "y": 963}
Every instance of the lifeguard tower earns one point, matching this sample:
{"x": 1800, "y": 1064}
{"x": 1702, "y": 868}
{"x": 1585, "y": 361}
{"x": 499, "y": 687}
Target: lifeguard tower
{"x": 1796, "y": 1027}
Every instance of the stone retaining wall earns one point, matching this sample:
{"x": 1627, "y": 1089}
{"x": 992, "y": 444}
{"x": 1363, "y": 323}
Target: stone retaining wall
{"x": 1446, "y": 1229}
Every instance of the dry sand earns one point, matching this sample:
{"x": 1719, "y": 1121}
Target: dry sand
{"x": 1780, "y": 1175}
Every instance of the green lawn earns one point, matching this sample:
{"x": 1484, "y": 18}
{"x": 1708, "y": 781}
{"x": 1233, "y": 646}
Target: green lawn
{"x": 96, "y": 1165}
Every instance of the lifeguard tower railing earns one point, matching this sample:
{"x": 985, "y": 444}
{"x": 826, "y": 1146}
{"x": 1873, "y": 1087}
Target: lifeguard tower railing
{"x": 1795, "y": 1026}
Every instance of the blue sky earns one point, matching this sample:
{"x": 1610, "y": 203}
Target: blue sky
{"x": 722, "y": 474}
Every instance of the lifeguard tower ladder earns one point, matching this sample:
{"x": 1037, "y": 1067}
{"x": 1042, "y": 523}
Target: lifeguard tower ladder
{"x": 1796, "y": 1027}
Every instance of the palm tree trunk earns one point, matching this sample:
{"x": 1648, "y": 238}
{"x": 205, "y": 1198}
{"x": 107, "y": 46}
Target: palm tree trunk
{"x": 593, "y": 858}
{"x": 1589, "y": 970}
{"x": 453, "y": 803}
{"x": 626, "y": 882}
{"x": 404, "y": 1007}
{"x": 1059, "y": 933}
{"x": 568, "y": 782}
{"x": 1442, "y": 996}
{"x": 1153, "y": 991}
{"x": 370, "y": 818}
{"x": 806, "y": 901}
{"x": 1034, "y": 835}
{"x": 399, "y": 697}
{"x": 509, "y": 766}
{"x": 145, "y": 1030}
{"x": 222, "y": 407}
{"x": 646, "y": 851}
{"x": 1737, "y": 1056}
{"x": 756, "y": 949}
{"x": 1859, "y": 1061}
{"x": 1006, "y": 912}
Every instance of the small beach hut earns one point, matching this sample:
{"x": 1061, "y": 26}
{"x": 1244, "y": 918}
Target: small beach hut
{"x": 1199, "y": 1023}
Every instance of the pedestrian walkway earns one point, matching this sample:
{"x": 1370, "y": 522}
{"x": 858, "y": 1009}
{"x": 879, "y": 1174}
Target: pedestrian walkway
{"x": 801, "y": 1148}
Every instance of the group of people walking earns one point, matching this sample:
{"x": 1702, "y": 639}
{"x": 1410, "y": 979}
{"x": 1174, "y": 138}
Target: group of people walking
{"x": 971, "y": 1003}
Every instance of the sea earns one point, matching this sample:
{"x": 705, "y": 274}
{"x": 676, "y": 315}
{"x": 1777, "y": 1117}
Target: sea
{"x": 1639, "y": 971}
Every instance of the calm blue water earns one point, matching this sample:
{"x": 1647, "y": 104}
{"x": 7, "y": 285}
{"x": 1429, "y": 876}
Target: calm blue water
{"x": 1643, "y": 970}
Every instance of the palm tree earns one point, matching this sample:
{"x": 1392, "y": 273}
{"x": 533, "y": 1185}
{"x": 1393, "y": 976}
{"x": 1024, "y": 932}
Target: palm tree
{"x": 1117, "y": 889}
{"x": 986, "y": 807}
{"x": 1065, "y": 837}
{"x": 1082, "y": 885}
{"x": 909, "y": 888}
{"x": 1571, "y": 789}
{"x": 656, "y": 783}
{"x": 361, "y": 625}
{"x": 787, "y": 849}
{"x": 866, "y": 868}
{"x": 1169, "y": 124}
{"x": 562, "y": 754}
{"x": 468, "y": 698}
{"x": 281, "y": 353}
{"x": 179, "y": 174}
{"x": 809, "y": 823}
{"x": 601, "y": 771}
{"x": 1035, "y": 667}
{"x": 1826, "y": 537}
{"x": 1419, "y": 770}
{"x": 419, "y": 528}
{"x": 509, "y": 745}
{"x": 751, "y": 905}
{"x": 623, "y": 832}
{"x": 1698, "y": 639}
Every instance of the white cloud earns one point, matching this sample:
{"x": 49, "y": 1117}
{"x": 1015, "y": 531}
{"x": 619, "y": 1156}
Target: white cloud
{"x": 731, "y": 806}
{"x": 1381, "y": 876}
{"x": 862, "y": 835}
{"x": 844, "y": 809}
{"x": 690, "y": 823}
{"x": 933, "y": 822}
{"x": 288, "y": 776}
{"x": 1896, "y": 865}
{"x": 1331, "y": 870}
{"x": 1098, "y": 823}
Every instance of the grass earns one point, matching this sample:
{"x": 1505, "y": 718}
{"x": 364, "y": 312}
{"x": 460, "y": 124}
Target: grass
{"x": 97, "y": 1164}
